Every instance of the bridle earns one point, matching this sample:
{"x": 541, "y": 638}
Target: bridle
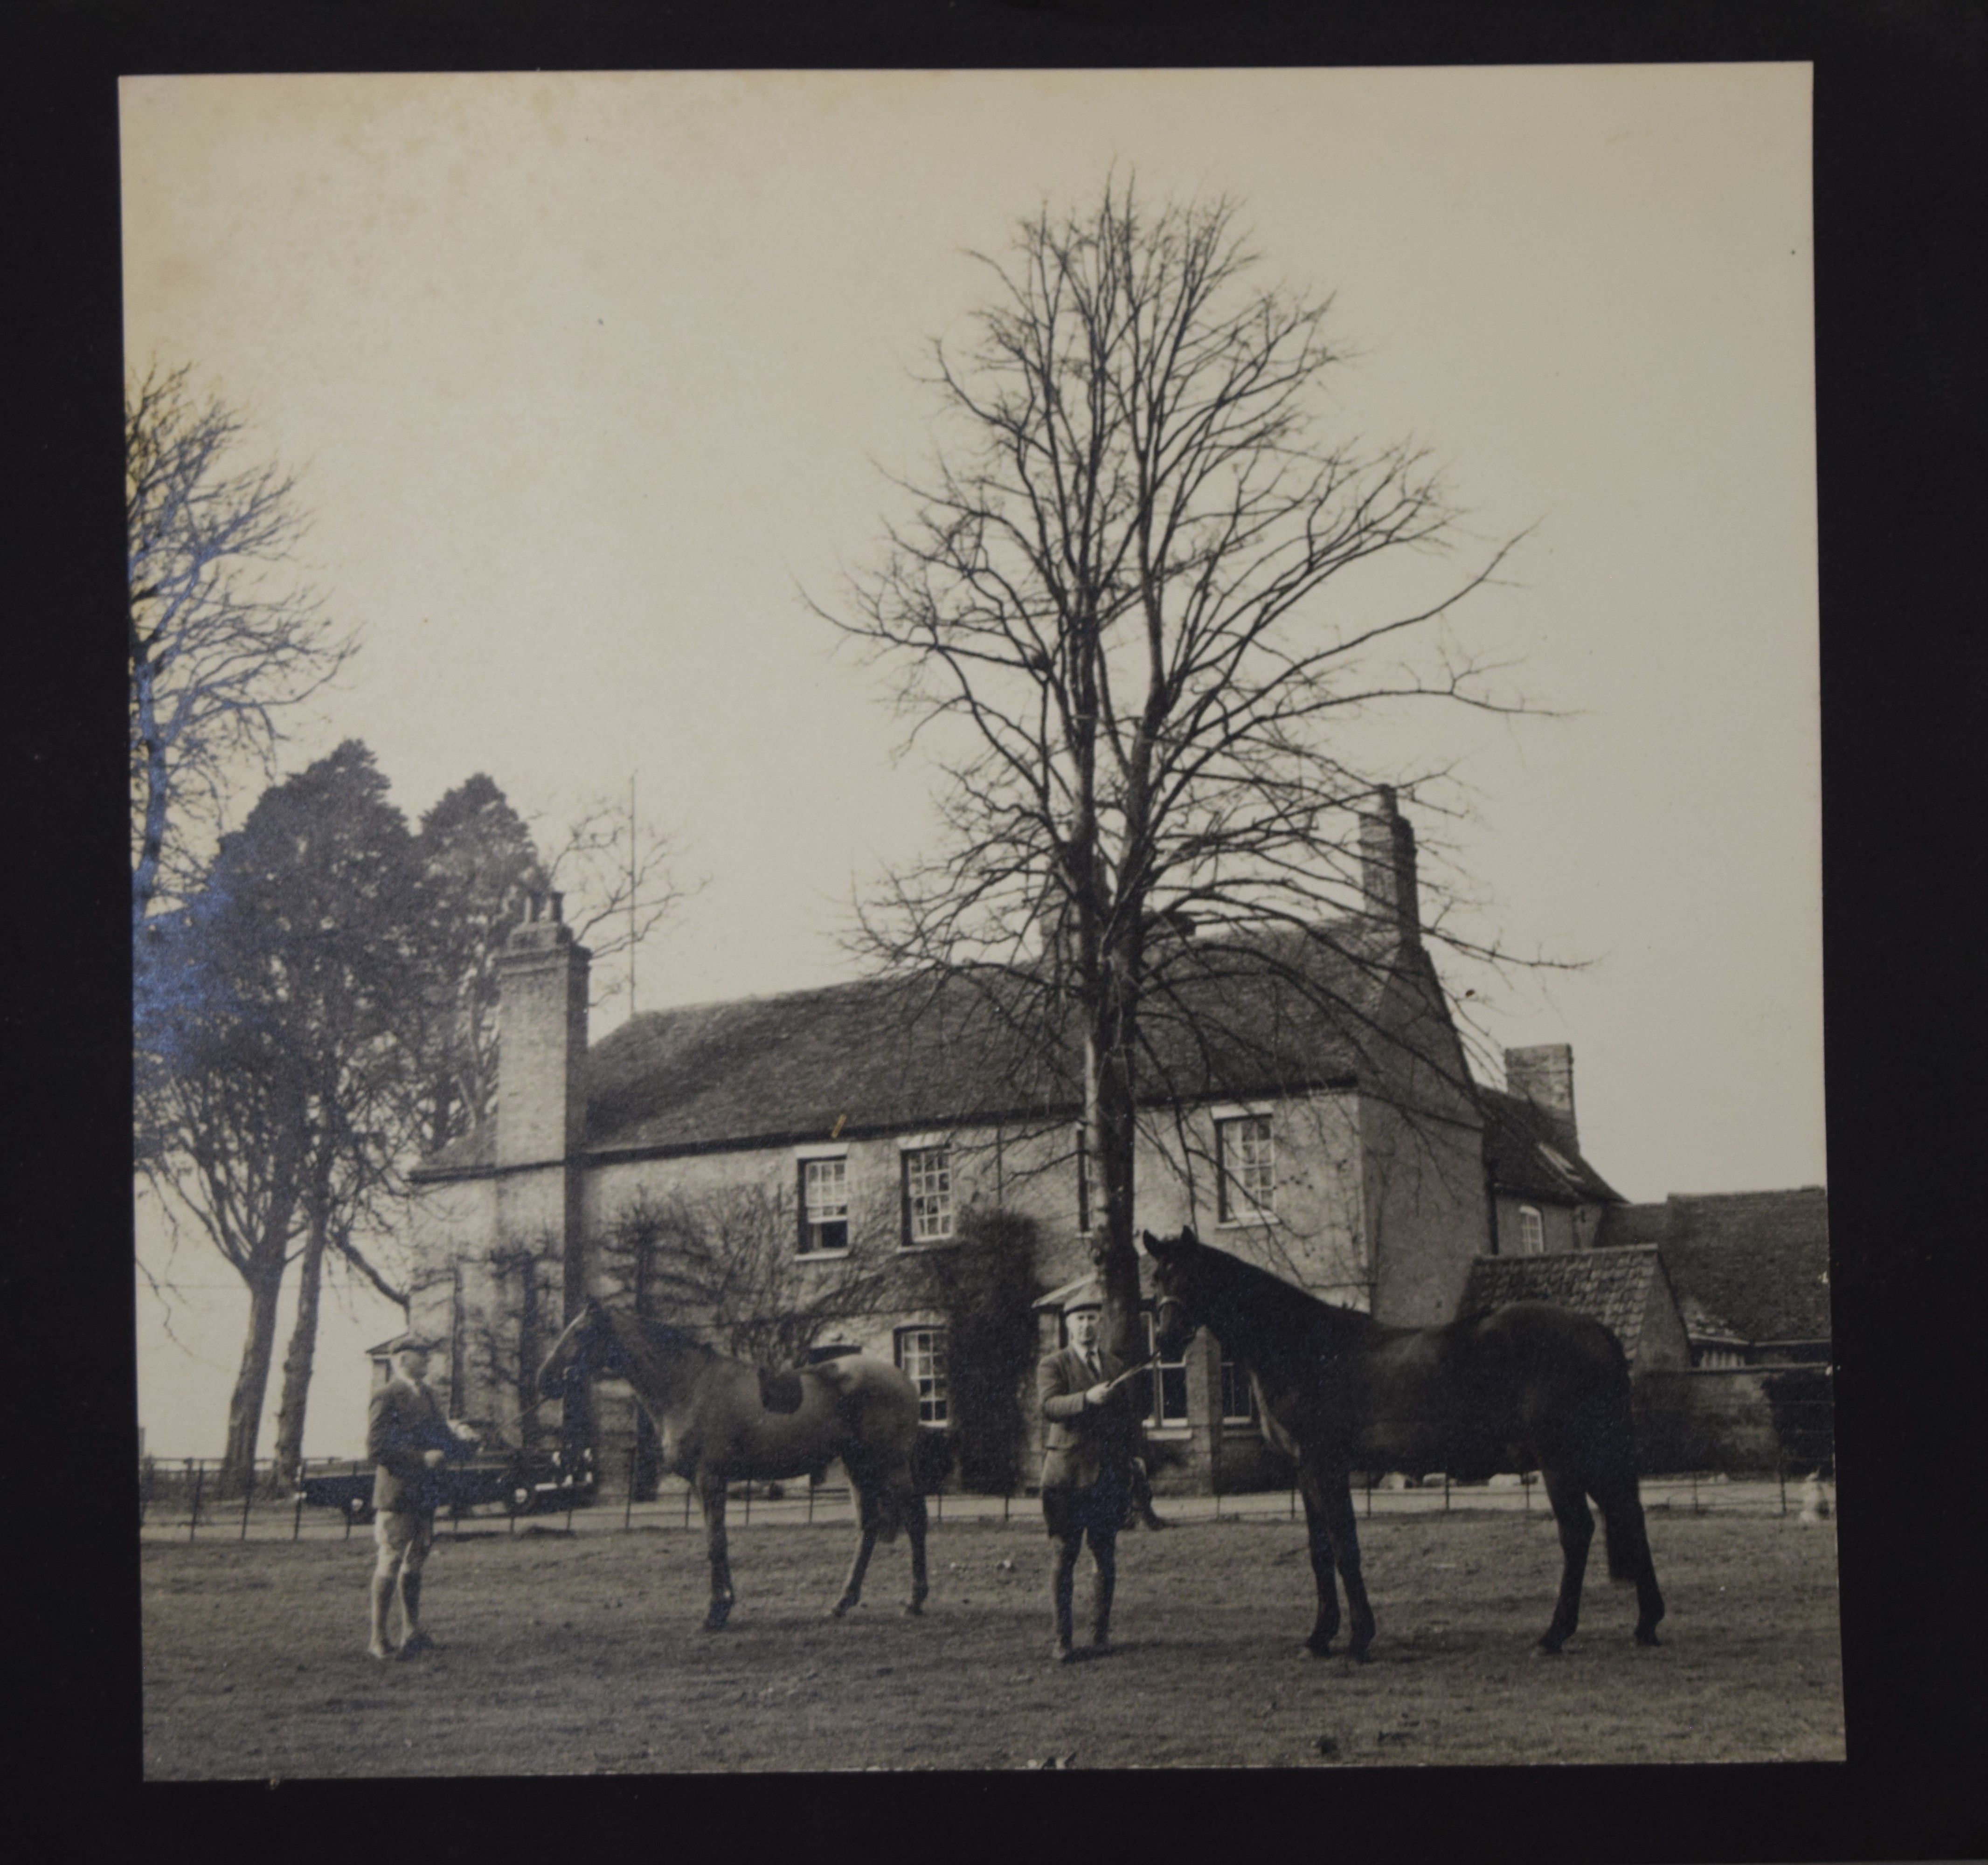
{"x": 1160, "y": 1308}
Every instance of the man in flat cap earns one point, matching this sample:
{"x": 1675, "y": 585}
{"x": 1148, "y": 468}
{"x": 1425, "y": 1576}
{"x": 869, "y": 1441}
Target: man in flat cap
{"x": 1093, "y": 1432}
{"x": 409, "y": 1440}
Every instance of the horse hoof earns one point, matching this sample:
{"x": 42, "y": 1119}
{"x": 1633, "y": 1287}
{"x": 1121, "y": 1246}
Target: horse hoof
{"x": 1548, "y": 1648}
{"x": 1313, "y": 1648}
{"x": 840, "y": 1609}
{"x": 1647, "y": 1637}
{"x": 915, "y": 1610}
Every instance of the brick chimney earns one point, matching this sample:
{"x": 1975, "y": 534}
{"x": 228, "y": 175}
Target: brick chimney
{"x": 1388, "y": 865}
{"x": 542, "y": 1087}
{"x": 542, "y": 1037}
{"x": 1544, "y": 1075}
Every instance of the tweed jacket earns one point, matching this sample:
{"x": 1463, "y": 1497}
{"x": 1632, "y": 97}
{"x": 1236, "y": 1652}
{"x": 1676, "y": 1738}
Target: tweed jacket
{"x": 1081, "y": 1442}
{"x": 403, "y": 1421}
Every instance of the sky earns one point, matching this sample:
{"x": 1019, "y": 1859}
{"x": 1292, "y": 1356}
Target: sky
{"x": 594, "y": 382}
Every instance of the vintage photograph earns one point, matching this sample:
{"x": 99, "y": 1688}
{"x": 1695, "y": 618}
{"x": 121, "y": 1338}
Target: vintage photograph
{"x": 874, "y": 818}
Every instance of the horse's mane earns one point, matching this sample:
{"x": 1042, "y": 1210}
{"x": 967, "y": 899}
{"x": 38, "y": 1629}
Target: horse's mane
{"x": 659, "y": 1335}
{"x": 1279, "y": 1313}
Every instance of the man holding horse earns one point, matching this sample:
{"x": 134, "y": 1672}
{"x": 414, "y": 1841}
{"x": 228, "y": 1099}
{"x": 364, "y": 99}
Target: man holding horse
{"x": 408, "y": 1440}
{"x": 1092, "y": 1433}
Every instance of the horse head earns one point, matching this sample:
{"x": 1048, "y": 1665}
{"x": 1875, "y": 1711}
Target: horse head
{"x": 582, "y": 1338}
{"x": 1176, "y": 1312}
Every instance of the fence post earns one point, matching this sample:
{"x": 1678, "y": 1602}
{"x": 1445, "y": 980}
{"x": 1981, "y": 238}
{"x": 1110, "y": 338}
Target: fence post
{"x": 248, "y": 1497}
{"x": 810, "y": 1514}
{"x": 686, "y": 1501}
{"x": 1781, "y": 1473}
{"x": 196, "y": 1473}
{"x": 297, "y": 1520}
{"x": 1445, "y": 1492}
{"x": 628, "y": 1512}
{"x": 1370, "y": 1495}
{"x": 1526, "y": 1486}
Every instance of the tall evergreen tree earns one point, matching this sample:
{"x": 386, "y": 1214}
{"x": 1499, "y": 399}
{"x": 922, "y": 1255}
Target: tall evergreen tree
{"x": 476, "y": 855}
{"x": 270, "y": 1008}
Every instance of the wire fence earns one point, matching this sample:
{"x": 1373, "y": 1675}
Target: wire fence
{"x": 180, "y": 1501}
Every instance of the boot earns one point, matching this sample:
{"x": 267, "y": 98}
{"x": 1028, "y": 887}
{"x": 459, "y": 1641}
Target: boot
{"x": 1062, "y": 1588}
{"x": 1102, "y": 1587}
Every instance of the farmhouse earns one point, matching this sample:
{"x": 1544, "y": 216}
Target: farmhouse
{"x": 1309, "y": 1108}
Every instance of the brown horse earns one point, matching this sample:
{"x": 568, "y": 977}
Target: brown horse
{"x": 717, "y": 1428}
{"x": 1522, "y": 1388}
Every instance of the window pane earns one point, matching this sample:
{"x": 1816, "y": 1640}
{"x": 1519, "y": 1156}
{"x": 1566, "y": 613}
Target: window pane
{"x": 927, "y": 1195}
{"x": 825, "y": 1204}
{"x": 1169, "y": 1403}
{"x": 1239, "y": 1398}
{"x": 922, "y": 1359}
{"x": 1248, "y": 1161}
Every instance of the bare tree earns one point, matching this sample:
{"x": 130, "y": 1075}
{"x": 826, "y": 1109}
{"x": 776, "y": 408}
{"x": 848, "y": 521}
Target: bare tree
{"x": 507, "y": 1335}
{"x": 1135, "y": 610}
{"x": 614, "y": 867}
{"x": 223, "y": 640}
{"x": 726, "y": 1265}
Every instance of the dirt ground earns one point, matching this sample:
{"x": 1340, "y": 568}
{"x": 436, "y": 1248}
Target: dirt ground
{"x": 563, "y": 1654}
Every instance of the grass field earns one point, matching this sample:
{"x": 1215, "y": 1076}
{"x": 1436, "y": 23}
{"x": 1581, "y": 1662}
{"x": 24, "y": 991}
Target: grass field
{"x": 580, "y": 1654}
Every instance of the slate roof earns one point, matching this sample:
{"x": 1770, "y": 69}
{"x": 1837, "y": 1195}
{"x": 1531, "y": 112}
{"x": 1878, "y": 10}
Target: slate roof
{"x": 1612, "y": 1285}
{"x": 1521, "y": 1140}
{"x": 1229, "y": 1017}
{"x": 1756, "y": 1261}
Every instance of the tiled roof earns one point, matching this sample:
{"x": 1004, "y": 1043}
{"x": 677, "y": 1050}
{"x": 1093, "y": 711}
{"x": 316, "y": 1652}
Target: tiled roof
{"x": 1758, "y": 1261}
{"x": 1521, "y": 1140}
{"x": 1227, "y": 1017}
{"x": 1612, "y": 1285}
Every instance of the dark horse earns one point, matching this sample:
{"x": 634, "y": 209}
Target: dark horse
{"x": 722, "y": 1422}
{"x": 1522, "y": 1388}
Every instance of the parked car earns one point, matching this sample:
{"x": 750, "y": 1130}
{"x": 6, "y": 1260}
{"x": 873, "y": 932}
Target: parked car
{"x": 520, "y": 1482}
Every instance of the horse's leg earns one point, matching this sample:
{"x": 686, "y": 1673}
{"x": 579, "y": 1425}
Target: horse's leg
{"x": 711, "y": 1494}
{"x": 1576, "y": 1529}
{"x": 1629, "y": 1551}
{"x": 1342, "y": 1528}
{"x": 914, "y": 1531}
{"x": 1326, "y": 1627}
{"x": 866, "y": 1512}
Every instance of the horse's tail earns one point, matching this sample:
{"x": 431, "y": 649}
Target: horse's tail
{"x": 1625, "y": 1534}
{"x": 883, "y": 1510}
